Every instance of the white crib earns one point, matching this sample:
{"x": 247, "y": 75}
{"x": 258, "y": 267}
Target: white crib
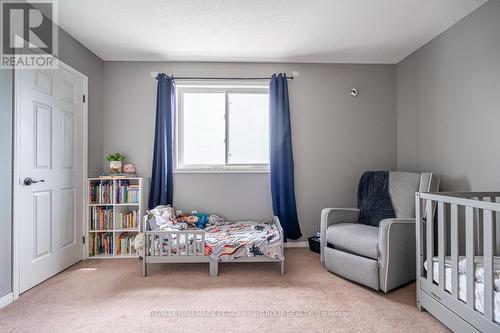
{"x": 457, "y": 285}
{"x": 180, "y": 249}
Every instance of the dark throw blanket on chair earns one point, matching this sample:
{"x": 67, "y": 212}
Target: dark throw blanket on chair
{"x": 374, "y": 200}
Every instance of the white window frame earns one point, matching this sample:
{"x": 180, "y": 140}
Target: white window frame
{"x": 214, "y": 87}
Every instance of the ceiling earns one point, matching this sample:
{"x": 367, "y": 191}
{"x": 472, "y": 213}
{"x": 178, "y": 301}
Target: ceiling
{"x": 313, "y": 31}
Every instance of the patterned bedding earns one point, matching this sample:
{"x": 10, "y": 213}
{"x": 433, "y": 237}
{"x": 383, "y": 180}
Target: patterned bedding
{"x": 227, "y": 242}
{"x": 243, "y": 239}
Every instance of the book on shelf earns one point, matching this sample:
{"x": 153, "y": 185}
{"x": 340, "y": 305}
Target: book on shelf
{"x": 125, "y": 244}
{"x": 129, "y": 219}
{"x": 101, "y": 218}
{"x": 101, "y": 192}
{"x": 101, "y": 244}
{"x": 127, "y": 192}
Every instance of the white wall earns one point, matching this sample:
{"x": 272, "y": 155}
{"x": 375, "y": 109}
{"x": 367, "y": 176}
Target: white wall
{"x": 448, "y": 103}
{"x": 335, "y": 136}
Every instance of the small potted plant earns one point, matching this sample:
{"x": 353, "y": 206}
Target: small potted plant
{"x": 115, "y": 162}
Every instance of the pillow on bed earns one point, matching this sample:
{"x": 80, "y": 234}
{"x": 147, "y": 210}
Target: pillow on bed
{"x": 163, "y": 217}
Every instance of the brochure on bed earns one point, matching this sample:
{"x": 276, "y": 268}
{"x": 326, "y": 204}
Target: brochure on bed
{"x": 224, "y": 240}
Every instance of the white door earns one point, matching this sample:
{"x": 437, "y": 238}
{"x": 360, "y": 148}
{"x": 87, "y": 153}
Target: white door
{"x": 50, "y": 122}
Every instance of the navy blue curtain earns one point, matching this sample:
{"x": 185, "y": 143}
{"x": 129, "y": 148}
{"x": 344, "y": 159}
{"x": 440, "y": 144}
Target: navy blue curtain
{"x": 161, "y": 178}
{"x": 281, "y": 159}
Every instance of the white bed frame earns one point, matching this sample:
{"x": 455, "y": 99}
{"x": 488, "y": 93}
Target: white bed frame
{"x": 186, "y": 256}
{"x": 478, "y": 211}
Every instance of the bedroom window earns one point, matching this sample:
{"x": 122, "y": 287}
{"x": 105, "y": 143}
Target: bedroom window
{"x": 222, "y": 128}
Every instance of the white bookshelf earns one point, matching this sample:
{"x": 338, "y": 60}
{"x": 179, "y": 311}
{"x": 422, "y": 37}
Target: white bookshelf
{"x": 110, "y": 205}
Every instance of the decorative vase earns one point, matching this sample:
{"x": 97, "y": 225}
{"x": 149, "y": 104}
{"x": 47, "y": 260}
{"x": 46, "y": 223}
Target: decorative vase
{"x": 115, "y": 166}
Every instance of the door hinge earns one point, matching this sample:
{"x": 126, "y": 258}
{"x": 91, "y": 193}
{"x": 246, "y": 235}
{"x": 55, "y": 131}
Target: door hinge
{"x": 83, "y": 239}
{"x": 83, "y": 98}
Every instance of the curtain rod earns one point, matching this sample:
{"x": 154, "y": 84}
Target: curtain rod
{"x": 294, "y": 74}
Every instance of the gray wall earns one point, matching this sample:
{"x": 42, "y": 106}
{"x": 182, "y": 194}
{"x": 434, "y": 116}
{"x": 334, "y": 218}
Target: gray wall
{"x": 448, "y": 104}
{"x": 76, "y": 55}
{"x": 335, "y": 136}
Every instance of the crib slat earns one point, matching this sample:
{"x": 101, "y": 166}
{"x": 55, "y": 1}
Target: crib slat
{"x": 202, "y": 244}
{"x": 186, "y": 245}
{"x": 198, "y": 244}
{"x": 430, "y": 241}
{"x": 454, "y": 250}
{"x": 172, "y": 245}
{"x": 179, "y": 248}
{"x": 169, "y": 245}
{"x": 151, "y": 241}
{"x": 178, "y": 243}
{"x": 195, "y": 244}
{"x": 147, "y": 245}
{"x": 469, "y": 253}
{"x": 488, "y": 233}
{"x": 441, "y": 244}
{"x": 419, "y": 239}
{"x": 479, "y": 245}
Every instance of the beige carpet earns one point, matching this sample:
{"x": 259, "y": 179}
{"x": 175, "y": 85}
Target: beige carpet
{"x": 112, "y": 296}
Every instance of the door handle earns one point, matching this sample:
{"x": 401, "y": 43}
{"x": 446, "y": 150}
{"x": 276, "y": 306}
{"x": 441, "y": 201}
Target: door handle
{"x": 28, "y": 181}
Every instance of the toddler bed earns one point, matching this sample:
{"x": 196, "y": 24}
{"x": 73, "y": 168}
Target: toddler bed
{"x": 243, "y": 241}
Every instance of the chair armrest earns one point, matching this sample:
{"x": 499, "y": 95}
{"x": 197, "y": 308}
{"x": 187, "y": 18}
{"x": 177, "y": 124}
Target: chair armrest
{"x": 335, "y": 215}
{"x": 396, "y": 248}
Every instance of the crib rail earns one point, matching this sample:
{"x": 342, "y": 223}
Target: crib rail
{"x": 178, "y": 243}
{"x": 471, "y": 213}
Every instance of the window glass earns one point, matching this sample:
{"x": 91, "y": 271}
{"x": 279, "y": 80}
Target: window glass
{"x": 204, "y": 129}
{"x": 248, "y": 128}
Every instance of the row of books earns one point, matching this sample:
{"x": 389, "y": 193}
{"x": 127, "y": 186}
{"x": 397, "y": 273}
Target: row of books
{"x": 101, "y": 218}
{"x": 125, "y": 244}
{"x": 101, "y": 193}
{"x": 126, "y": 192}
{"x": 100, "y": 243}
{"x": 127, "y": 220}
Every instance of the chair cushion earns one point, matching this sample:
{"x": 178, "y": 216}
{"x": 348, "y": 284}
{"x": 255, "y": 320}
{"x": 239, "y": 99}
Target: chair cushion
{"x": 402, "y": 188}
{"x": 356, "y": 238}
{"x": 429, "y": 182}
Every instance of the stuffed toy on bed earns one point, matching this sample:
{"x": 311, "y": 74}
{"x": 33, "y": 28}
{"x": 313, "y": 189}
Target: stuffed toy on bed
{"x": 139, "y": 244}
{"x": 188, "y": 219}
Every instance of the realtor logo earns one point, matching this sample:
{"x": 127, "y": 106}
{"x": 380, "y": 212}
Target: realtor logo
{"x": 28, "y": 34}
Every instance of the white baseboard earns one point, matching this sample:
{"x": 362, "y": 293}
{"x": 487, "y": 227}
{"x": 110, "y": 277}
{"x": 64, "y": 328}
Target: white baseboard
{"x": 6, "y": 300}
{"x": 297, "y": 244}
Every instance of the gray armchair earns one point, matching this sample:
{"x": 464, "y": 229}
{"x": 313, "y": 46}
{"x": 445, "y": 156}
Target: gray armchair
{"x": 380, "y": 257}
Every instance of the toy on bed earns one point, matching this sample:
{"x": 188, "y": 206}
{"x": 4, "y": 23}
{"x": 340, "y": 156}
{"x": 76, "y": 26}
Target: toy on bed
{"x": 138, "y": 244}
{"x": 163, "y": 217}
